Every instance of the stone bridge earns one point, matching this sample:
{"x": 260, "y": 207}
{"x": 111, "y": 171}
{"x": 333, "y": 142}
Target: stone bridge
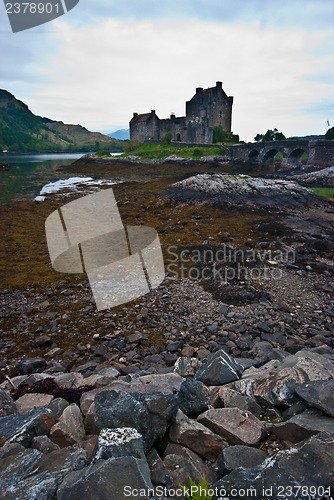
{"x": 295, "y": 152}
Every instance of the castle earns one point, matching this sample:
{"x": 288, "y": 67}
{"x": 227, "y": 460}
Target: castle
{"x": 206, "y": 109}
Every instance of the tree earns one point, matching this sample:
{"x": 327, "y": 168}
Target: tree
{"x": 270, "y": 135}
{"x": 330, "y": 134}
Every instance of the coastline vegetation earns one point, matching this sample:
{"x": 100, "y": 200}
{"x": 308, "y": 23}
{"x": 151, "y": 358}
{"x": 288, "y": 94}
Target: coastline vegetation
{"x": 162, "y": 150}
{"x": 327, "y": 193}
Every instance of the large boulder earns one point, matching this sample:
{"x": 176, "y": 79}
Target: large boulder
{"x": 279, "y": 386}
{"x": 193, "y": 397}
{"x": 28, "y": 402}
{"x": 120, "y": 442}
{"x": 234, "y": 425}
{"x": 22, "y": 428}
{"x": 70, "y": 428}
{"x": 303, "y": 426}
{"x": 150, "y": 412}
{"x": 318, "y": 393}
{"x": 237, "y": 456}
{"x": 240, "y": 190}
{"x": 196, "y": 437}
{"x": 111, "y": 479}
{"x": 219, "y": 369}
{"x": 306, "y": 470}
{"x": 29, "y": 474}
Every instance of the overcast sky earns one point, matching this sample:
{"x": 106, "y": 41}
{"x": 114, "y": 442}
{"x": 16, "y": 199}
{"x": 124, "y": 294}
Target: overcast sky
{"x": 105, "y": 59}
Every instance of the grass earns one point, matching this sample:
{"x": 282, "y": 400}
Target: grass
{"x": 159, "y": 151}
{"x": 327, "y": 193}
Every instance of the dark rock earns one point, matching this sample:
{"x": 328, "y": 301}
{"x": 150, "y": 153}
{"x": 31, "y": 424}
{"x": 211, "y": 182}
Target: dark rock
{"x": 30, "y": 474}
{"x": 310, "y": 464}
{"x": 236, "y": 456}
{"x": 157, "y": 468}
{"x": 175, "y": 346}
{"x": 57, "y": 406}
{"x": 23, "y": 427}
{"x": 91, "y": 365}
{"x": 193, "y": 397}
{"x": 119, "y": 442}
{"x": 150, "y": 412}
{"x": 318, "y": 393}
{"x": 7, "y": 404}
{"x": 33, "y": 365}
{"x": 219, "y": 369}
{"x": 303, "y": 426}
{"x": 110, "y": 479}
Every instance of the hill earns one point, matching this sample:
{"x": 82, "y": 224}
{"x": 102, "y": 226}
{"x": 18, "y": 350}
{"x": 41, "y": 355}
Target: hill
{"x": 122, "y": 134}
{"x": 22, "y": 131}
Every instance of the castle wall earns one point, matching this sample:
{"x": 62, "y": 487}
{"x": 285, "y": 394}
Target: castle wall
{"x": 145, "y": 127}
{"x": 205, "y": 110}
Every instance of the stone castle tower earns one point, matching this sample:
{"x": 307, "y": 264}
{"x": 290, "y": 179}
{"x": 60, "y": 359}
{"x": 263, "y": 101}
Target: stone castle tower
{"x": 206, "y": 109}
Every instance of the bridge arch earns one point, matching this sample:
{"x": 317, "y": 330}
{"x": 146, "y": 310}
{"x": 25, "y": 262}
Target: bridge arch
{"x": 269, "y": 156}
{"x": 297, "y": 155}
{"x": 253, "y": 156}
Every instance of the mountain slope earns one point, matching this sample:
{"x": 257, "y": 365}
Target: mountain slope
{"x": 122, "y": 134}
{"x": 22, "y": 131}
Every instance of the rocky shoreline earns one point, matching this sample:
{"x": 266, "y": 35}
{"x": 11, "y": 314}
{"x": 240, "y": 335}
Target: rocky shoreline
{"x": 146, "y": 393}
{"x": 263, "y": 423}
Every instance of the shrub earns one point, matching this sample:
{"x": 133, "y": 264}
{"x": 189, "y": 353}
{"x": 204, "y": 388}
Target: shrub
{"x": 131, "y": 145}
{"x": 167, "y": 138}
{"x": 197, "y": 153}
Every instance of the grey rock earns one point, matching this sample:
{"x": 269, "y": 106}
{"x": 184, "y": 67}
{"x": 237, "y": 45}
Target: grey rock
{"x": 119, "y": 442}
{"x": 303, "y": 426}
{"x": 194, "y": 397}
{"x": 107, "y": 479}
{"x": 32, "y": 365}
{"x": 57, "y": 406}
{"x": 171, "y": 380}
{"x": 279, "y": 386}
{"x": 229, "y": 190}
{"x": 234, "y": 425}
{"x": 157, "y": 468}
{"x": 219, "y": 369}
{"x": 23, "y": 427}
{"x": 318, "y": 393}
{"x": 7, "y": 404}
{"x": 31, "y": 475}
{"x": 237, "y": 456}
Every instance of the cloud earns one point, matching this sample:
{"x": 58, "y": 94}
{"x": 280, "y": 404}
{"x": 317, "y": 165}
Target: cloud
{"x": 103, "y": 73}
